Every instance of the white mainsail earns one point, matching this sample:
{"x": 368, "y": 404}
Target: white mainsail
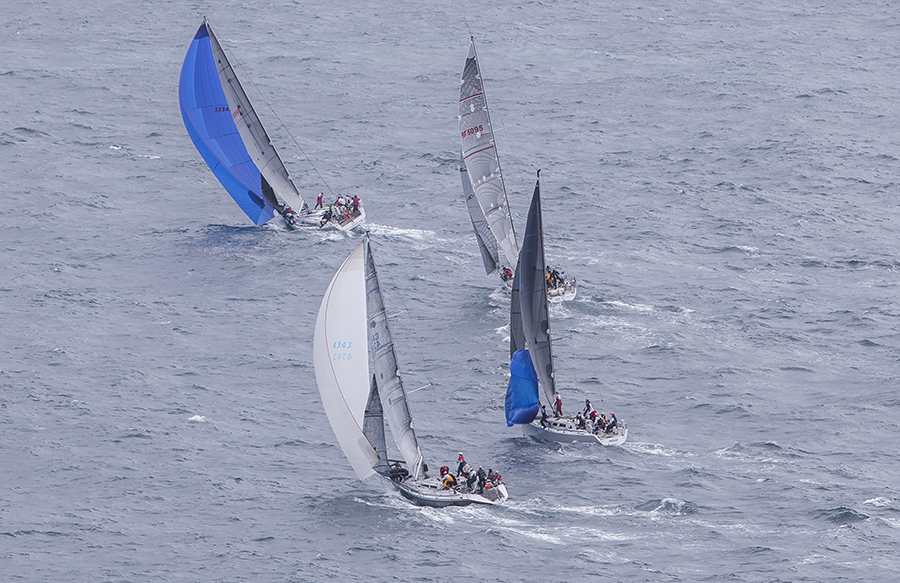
{"x": 252, "y": 132}
{"x": 387, "y": 374}
{"x": 482, "y": 162}
{"x": 342, "y": 362}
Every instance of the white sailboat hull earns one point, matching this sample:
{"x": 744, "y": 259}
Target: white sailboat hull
{"x": 313, "y": 220}
{"x": 563, "y": 430}
{"x": 562, "y": 293}
{"x": 430, "y": 492}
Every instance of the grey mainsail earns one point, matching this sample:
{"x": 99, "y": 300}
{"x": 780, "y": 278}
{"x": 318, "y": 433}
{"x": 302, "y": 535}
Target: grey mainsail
{"x": 252, "y": 132}
{"x": 532, "y": 275}
{"x": 387, "y": 374}
{"x": 482, "y": 162}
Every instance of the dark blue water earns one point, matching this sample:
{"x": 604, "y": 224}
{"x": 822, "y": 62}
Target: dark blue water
{"x": 720, "y": 178}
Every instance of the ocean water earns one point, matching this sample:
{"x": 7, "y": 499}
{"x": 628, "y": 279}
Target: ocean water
{"x": 720, "y": 177}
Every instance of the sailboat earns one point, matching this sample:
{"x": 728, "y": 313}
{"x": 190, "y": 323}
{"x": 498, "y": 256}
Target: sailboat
{"x": 483, "y": 185}
{"x": 531, "y": 355}
{"x": 359, "y": 382}
{"x": 230, "y": 137}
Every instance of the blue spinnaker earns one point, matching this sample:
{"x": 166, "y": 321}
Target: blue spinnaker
{"x": 522, "y": 403}
{"x": 209, "y": 123}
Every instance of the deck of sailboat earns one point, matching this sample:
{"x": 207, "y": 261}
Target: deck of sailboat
{"x": 352, "y": 222}
{"x": 313, "y": 220}
{"x": 563, "y": 430}
{"x": 563, "y": 293}
{"x": 430, "y": 492}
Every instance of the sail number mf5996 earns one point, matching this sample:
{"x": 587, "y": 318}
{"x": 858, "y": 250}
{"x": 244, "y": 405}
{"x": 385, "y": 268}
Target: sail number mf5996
{"x": 472, "y": 130}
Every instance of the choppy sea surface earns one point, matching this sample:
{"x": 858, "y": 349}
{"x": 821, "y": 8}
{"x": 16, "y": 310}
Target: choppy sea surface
{"x": 720, "y": 177}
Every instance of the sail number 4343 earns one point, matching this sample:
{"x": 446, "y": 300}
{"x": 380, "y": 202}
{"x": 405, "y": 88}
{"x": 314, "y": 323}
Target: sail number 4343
{"x": 341, "y": 355}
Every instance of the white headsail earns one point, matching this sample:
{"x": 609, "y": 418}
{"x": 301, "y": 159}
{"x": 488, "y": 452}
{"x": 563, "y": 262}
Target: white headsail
{"x": 483, "y": 164}
{"x": 252, "y": 132}
{"x": 342, "y": 361}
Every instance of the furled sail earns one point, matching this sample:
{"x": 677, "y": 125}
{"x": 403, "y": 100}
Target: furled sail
{"x": 373, "y": 428}
{"x": 532, "y": 275}
{"x": 487, "y": 243}
{"x": 341, "y": 359}
{"x": 516, "y": 331}
{"x": 482, "y": 163}
{"x": 206, "y": 116}
{"x": 387, "y": 374}
{"x": 252, "y": 131}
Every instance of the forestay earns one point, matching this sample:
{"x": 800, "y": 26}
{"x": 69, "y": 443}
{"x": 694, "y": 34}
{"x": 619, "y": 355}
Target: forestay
{"x": 252, "y": 132}
{"x": 387, "y": 374}
{"x": 533, "y": 297}
{"x": 341, "y": 361}
{"x": 482, "y": 162}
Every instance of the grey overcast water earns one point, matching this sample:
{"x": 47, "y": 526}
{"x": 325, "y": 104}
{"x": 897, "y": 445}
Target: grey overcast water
{"x": 721, "y": 177}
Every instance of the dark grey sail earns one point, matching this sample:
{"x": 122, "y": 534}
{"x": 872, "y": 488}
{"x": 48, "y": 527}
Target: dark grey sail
{"x": 373, "y": 428}
{"x": 269, "y": 194}
{"x": 516, "y": 331}
{"x": 532, "y": 275}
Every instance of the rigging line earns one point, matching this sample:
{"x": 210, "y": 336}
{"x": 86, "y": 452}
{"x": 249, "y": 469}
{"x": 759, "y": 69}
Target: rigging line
{"x": 246, "y": 75}
{"x": 417, "y": 346}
